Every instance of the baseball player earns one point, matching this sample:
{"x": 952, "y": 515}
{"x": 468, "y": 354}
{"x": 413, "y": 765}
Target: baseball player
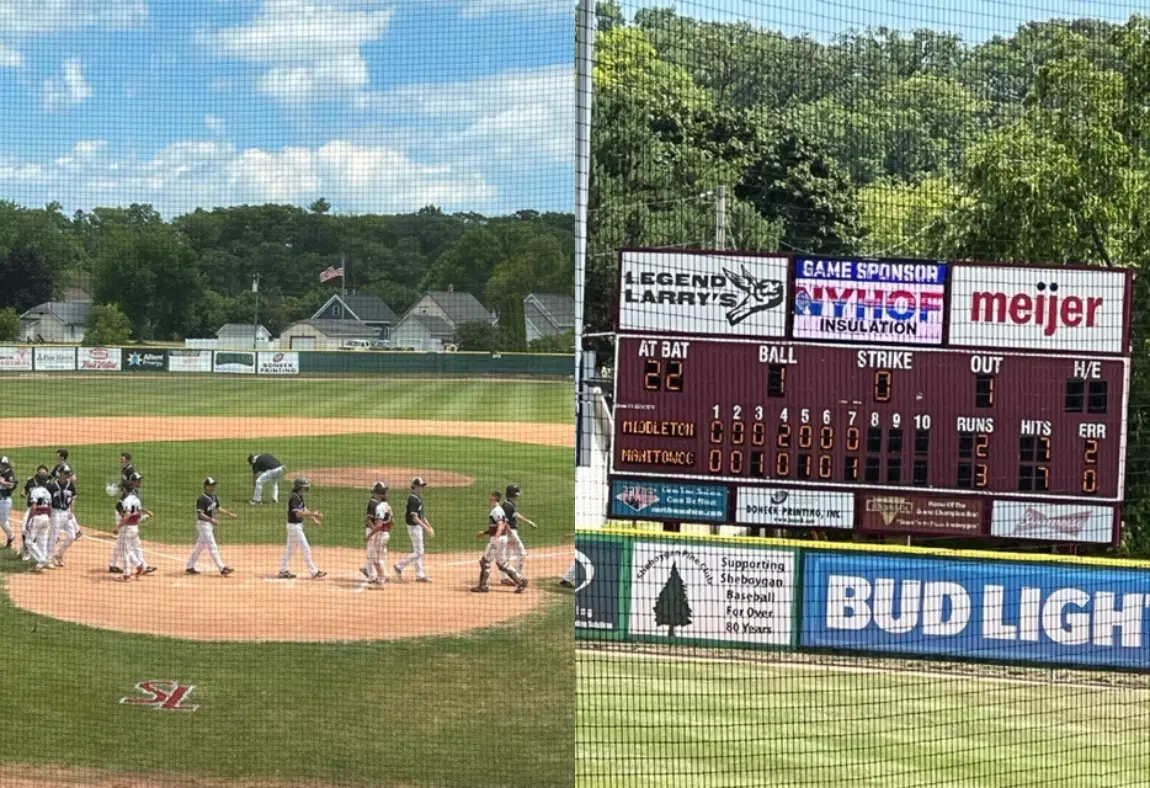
{"x": 7, "y": 485}
{"x": 61, "y": 461}
{"x": 63, "y": 493}
{"x": 39, "y": 522}
{"x": 568, "y": 580}
{"x": 297, "y": 510}
{"x": 496, "y": 551}
{"x": 127, "y": 470}
{"x": 416, "y": 525}
{"x": 41, "y": 478}
{"x": 377, "y": 534}
{"x": 518, "y": 553}
{"x": 206, "y": 507}
{"x": 133, "y": 513}
{"x": 265, "y": 468}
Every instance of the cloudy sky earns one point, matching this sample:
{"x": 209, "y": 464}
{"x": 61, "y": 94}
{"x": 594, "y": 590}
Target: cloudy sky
{"x": 377, "y": 105}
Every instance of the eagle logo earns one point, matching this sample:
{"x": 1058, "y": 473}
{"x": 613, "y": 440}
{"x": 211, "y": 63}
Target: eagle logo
{"x": 760, "y": 295}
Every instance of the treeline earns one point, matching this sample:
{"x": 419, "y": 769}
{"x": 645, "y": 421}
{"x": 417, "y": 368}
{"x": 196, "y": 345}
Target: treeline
{"x": 1033, "y": 147}
{"x": 188, "y": 276}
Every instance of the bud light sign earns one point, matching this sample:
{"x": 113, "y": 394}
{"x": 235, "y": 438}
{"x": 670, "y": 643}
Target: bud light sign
{"x": 985, "y": 611}
{"x": 895, "y": 301}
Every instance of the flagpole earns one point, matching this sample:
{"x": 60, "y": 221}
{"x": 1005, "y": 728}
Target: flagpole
{"x": 343, "y": 267}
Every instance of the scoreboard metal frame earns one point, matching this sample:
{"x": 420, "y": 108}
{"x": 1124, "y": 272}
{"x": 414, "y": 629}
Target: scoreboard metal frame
{"x": 875, "y": 505}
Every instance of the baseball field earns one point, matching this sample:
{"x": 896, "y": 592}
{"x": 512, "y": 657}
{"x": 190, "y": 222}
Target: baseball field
{"x": 248, "y": 679}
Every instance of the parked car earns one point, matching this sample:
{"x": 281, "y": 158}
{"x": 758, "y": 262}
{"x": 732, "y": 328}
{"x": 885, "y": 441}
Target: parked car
{"x": 356, "y": 344}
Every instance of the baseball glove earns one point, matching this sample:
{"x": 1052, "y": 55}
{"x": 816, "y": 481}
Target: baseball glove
{"x": 111, "y": 488}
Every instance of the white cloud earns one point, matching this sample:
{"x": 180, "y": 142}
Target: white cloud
{"x": 69, "y": 88}
{"x": 190, "y": 174}
{"x": 531, "y": 7}
{"x": 214, "y": 123}
{"x": 10, "y": 58}
{"x": 310, "y": 49}
{"x": 36, "y": 17}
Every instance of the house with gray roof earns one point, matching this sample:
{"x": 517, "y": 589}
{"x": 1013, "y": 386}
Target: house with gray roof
{"x": 325, "y": 334}
{"x": 548, "y": 314}
{"x": 239, "y": 336}
{"x": 432, "y": 321}
{"x": 367, "y": 309}
{"x": 55, "y": 321}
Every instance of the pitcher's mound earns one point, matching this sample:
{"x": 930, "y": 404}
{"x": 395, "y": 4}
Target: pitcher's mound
{"x": 396, "y": 478}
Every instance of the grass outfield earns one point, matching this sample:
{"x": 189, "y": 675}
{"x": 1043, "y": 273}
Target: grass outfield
{"x": 440, "y": 399}
{"x": 655, "y": 722}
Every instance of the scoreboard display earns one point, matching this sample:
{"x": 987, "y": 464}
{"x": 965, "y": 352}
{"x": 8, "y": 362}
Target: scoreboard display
{"x": 895, "y": 395}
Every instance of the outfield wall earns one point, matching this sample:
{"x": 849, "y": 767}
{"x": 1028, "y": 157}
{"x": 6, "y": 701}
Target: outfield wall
{"x": 904, "y": 601}
{"x": 58, "y": 358}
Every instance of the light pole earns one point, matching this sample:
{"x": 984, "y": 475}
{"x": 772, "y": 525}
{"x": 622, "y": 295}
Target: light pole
{"x": 256, "y": 316}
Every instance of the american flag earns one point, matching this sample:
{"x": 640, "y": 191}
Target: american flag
{"x": 331, "y": 273}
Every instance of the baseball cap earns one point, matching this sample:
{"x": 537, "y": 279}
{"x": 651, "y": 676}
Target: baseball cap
{"x": 5, "y": 461}
{"x": 209, "y": 481}
{"x": 418, "y": 481}
{"x": 65, "y": 470}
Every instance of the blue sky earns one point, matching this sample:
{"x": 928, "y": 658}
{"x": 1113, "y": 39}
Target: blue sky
{"x": 377, "y": 106}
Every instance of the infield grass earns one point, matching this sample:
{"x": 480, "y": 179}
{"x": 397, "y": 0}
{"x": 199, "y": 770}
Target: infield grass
{"x": 666, "y": 722}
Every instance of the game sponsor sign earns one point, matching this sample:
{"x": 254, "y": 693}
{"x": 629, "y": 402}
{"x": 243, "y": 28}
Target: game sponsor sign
{"x": 235, "y": 362}
{"x": 598, "y": 576}
{"x": 145, "y": 360}
{"x": 893, "y": 301}
{"x": 678, "y": 502}
{"x": 1056, "y": 309}
{"x": 1068, "y": 522}
{"x": 180, "y": 360}
{"x": 55, "y": 359}
{"x": 278, "y": 363}
{"x": 994, "y": 610}
{"x": 100, "y": 359}
{"x": 689, "y": 593}
{"x": 931, "y": 515}
{"x": 796, "y": 508}
{"x": 684, "y": 292}
{"x": 15, "y": 359}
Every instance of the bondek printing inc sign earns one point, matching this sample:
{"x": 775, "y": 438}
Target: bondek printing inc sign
{"x": 795, "y": 508}
{"x": 278, "y": 363}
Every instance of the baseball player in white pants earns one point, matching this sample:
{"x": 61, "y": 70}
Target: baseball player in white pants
{"x": 39, "y": 523}
{"x": 206, "y": 507}
{"x": 517, "y": 553}
{"x": 265, "y": 469}
{"x": 134, "y": 513}
{"x": 7, "y": 486}
{"x": 568, "y": 580}
{"x": 377, "y": 534}
{"x": 297, "y": 510}
{"x": 64, "y": 529}
{"x": 416, "y": 525}
{"x": 496, "y": 549}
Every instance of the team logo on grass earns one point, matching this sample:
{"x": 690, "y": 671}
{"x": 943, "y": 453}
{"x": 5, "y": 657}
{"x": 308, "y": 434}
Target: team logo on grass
{"x": 163, "y": 694}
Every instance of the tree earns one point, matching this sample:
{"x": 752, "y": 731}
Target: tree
{"x": 27, "y": 280}
{"x": 672, "y": 608}
{"x": 9, "y": 325}
{"x": 479, "y": 335}
{"x": 555, "y": 343}
{"x": 320, "y": 206}
{"x": 512, "y": 325}
{"x": 107, "y": 325}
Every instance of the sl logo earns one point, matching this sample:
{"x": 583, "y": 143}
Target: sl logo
{"x": 163, "y": 694}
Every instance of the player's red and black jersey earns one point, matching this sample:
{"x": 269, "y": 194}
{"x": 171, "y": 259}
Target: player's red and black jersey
{"x": 62, "y": 495}
{"x": 376, "y": 522}
{"x": 28, "y": 485}
{"x": 414, "y": 507}
{"x": 295, "y": 505}
{"x": 42, "y": 506}
{"x": 208, "y": 504}
{"x": 10, "y": 477}
{"x": 264, "y": 462}
{"x": 512, "y": 514}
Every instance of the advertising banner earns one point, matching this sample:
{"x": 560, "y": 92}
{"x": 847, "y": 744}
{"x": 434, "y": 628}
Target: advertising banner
{"x": 145, "y": 360}
{"x": 278, "y": 364}
{"x": 598, "y": 586}
{"x": 102, "y": 359}
{"x": 932, "y": 515}
{"x": 15, "y": 359}
{"x": 683, "y": 592}
{"x": 692, "y": 293}
{"x": 797, "y": 508}
{"x": 189, "y": 360}
{"x": 893, "y": 301}
{"x": 994, "y": 610}
{"x": 1063, "y": 522}
{"x": 658, "y": 501}
{"x": 55, "y": 359}
{"x": 235, "y": 362}
{"x": 1040, "y": 308}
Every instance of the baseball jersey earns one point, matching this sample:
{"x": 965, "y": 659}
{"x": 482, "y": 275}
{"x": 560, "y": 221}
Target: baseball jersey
{"x": 511, "y": 514}
{"x": 207, "y": 505}
{"x": 130, "y": 508}
{"x": 494, "y": 517}
{"x": 414, "y": 507}
{"x": 295, "y": 504}
{"x": 378, "y": 510}
{"x": 126, "y": 473}
{"x": 10, "y": 477}
{"x": 264, "y": 462}
{"x": 56, "y": 470}
{"x": 31, "y": 484}
{"x": 39, "y": 500}
{"x": 62, "y": 495}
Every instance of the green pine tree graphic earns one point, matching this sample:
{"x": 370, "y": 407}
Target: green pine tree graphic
{"x": 671, "y": 608}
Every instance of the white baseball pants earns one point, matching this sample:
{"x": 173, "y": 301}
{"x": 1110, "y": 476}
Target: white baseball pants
{"x": 273, "y": 476}
{"x": 376, "y": 566}
{"x": 570, "y": 576}
{"x": 207, "y": 540}
{"x": 516, "y": 552}
{"x": 59, "y": 522}
{"x": 133, "y": 550}
{"x": 496, "y": 547}
{"x": 37, "y": 539}
{"x": 416, "y": 556}
{"x": 5, "y": 515}
{"x": 297, "y": 538}
{"x": 68, "y": 531}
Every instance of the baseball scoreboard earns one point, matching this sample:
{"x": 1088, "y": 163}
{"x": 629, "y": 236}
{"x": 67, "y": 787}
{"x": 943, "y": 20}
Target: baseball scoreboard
{"x": 902, "y": 396}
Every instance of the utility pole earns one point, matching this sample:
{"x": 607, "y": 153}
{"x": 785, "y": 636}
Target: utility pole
{"x": 256, "y": 317}
{"x": 721, "y": 218}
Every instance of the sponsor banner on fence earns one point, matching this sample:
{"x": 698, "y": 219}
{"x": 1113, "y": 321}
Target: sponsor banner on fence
{"x": 15, "y": 359}
{"x": 994, "y": 610}
{"x": 145, "y": 360}
{"x": 1062, "y": 522}
{"x": 805, "y": 508}
{"x": 933, "y": 515}
{"x": 189, "y": 360}
{"x": 896, "y": 301}
{"x": 105, "y": 359}
{"x": 278, "y": 363}
{"x": 659, "y": 501}
{"x": 731, "y": 295}
{"x": 236, "y": 362}
{"x": 55, "y": 359}
{"x": 1040, "y": 308}
{"x": 598, "y": 576}
{"x": 692, "y": 592}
